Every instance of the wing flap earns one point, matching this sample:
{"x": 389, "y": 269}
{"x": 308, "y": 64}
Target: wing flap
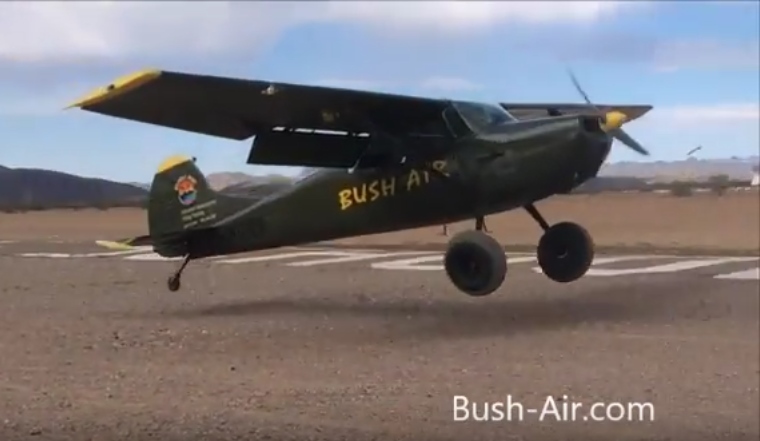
{"x": 239, "y": 108}
{"x": 321, "y": 150}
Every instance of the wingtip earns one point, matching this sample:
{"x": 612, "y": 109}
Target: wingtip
{"x": 118, "y": 87}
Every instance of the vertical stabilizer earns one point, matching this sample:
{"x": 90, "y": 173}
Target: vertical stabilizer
{"x": 180, "y": 199}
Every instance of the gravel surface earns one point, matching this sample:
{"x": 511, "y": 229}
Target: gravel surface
{"x": 99, "y": 350}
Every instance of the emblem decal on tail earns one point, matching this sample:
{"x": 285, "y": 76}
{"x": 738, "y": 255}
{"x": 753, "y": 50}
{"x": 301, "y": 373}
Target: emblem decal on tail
{"x": 186, "y": 192}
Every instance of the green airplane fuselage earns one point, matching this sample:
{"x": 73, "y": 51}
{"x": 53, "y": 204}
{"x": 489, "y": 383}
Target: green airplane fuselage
{"x": 480, "y": 175}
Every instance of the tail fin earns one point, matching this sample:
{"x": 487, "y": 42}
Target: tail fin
{"x": 180, "y": 200}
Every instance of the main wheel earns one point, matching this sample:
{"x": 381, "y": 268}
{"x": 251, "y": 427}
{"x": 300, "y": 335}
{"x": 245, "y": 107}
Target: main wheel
{"x": 565, "y": 252}
{"x": 475, "y": 263}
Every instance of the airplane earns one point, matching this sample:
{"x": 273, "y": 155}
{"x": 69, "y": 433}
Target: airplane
{"x": 385, "y": 163}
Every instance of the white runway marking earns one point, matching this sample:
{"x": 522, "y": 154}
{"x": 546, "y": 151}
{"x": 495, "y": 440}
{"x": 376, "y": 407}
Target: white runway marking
{"x": 750, "y": 274}
{"x": 282, "y": 256}
{"x": 606, "y": 260}
{"x": 411, "y": 264}
{"x": 433, "y": 261}
{"x": 86, "y": 255}
{"x": 352, "y": 258}
{"x": 48, "y": 255}
{"x": 151, "y": 257}
{"x": 418, "y": 263}
{"x": 668, "y": 267}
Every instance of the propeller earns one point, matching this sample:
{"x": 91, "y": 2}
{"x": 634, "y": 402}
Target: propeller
{"x": 612, "y": 122}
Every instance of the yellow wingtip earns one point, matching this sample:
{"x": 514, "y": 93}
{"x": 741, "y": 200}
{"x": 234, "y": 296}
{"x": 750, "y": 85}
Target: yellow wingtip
{"x": 112, "y": 245}
{"x": 173, "y": 161}
{"x": 118, "y": 87}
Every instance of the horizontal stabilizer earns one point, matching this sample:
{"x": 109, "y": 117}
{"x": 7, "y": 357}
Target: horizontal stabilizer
{"x": 125, "y": 244}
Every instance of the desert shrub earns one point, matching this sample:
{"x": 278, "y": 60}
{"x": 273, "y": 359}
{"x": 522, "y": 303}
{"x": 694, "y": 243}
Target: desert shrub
{"x": 681, "y": 189}
{"x": 719, "y": 190}
{"x": 719, "y": 184}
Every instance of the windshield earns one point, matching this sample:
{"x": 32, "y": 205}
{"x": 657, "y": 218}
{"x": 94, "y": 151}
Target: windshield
{"x": 483, "y": 117}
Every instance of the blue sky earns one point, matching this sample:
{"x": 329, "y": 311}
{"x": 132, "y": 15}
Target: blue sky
{"x": 696, "y": 62}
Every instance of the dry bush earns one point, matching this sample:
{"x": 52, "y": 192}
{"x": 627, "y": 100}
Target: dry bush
{"x": 681, "y": 189}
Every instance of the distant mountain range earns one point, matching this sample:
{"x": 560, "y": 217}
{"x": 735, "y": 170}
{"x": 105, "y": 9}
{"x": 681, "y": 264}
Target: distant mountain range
{"x": 37, "y": 188}
{"x": 220, "y": 181}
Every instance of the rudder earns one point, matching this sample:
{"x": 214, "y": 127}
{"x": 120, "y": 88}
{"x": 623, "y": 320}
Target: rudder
{"x": 180, "y": 200}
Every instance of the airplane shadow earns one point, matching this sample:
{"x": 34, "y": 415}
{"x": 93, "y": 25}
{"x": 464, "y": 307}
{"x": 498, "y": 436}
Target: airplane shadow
{"x": 462, "y": 318}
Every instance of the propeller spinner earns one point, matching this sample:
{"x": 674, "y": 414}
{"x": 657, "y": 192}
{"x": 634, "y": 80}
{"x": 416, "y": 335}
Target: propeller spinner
{"x": 612, "y": 122}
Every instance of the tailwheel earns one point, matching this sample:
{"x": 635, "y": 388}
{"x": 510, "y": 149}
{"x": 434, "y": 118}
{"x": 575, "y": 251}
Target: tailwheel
{"x": 475, "y": 263}
{"x": 565, "y": 252}
{"x": 173, "y": 283}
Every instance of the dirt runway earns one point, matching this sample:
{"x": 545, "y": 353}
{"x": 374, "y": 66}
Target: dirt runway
{"x": 98, "y": 349}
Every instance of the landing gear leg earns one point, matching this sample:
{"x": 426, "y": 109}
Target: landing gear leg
{"x": 480, "y": 224}
{"x": 565, "y": 251}
{"x": 533, "y": 211}
{"x": 174, "y": 280}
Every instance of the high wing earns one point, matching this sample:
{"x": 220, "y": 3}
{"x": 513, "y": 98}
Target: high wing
{"x": 523, "y": 111}
{"x": 240, "y": 108}
{"x": 297, "y": 125}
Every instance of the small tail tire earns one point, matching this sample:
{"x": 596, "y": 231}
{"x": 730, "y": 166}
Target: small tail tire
{"x": 565, "y": 252}
{"x": 173, "y": 283}
{"x": 475, "y": 263}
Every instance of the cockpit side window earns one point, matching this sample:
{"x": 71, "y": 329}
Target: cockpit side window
{"x": 483, "y": 117}
{"x": 455, "y": 123}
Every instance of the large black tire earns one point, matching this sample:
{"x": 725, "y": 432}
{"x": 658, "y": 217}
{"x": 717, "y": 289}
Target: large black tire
{"x": 475, "y": 263}
{"x": 565, "y": 252}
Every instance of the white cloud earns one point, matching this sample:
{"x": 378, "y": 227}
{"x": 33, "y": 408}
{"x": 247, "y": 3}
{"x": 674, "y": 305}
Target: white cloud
{"x": 57, "y": 31}
{"x": 455, "y": 16}
{"x": 111, "y": 30}
{"x": 19, "y": 102}
{"x": 671, "y": 56}
{"x": 716, "y": 113}
{"x": 449, "y": 84}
